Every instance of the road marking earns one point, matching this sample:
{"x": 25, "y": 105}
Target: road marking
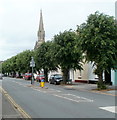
{"x": 24, "y": 114}
{"x": 73, "y": 98}
{"x": 39, "y": 90}
{"x": 66, "y": 98}
{"x": 112, "y": 109}
{"x": 54, "y": 90}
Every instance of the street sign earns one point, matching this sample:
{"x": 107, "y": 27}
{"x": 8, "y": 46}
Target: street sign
{"x": 32, "y": 63}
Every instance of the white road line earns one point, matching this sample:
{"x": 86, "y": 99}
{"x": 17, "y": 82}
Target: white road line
{"x": 80, "y": 99}
{"x": 55, "y": 90}
{"x": 112, "y": 109}
{"x": 66, "y": 98}
{"x": 39, "y": 90}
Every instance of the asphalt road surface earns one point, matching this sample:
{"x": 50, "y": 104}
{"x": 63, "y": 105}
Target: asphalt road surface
{"x": 7, "y": 110}
{"x": 57, "y": 101}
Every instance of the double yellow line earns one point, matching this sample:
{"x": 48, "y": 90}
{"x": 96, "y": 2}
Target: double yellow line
{"x": 22, "y": 112}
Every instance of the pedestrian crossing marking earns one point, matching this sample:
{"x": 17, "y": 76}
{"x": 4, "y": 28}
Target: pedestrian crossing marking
{"x": 112, "y": 109}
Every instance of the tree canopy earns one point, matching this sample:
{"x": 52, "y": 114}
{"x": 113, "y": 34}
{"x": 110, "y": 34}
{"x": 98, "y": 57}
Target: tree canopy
{"x": 99, "y": 41}
{"x": 67, "y": 54}
{"x": 44, "y": 58}
{"x": 19, "y": 63}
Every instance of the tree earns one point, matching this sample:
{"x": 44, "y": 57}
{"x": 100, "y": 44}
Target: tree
{"x": 19, "y": 63}
{"x": 44, "y": 58}
{"x": 23, "y": 61}
{"x": 67, "y": 54}
{"x": 99, "y": 42}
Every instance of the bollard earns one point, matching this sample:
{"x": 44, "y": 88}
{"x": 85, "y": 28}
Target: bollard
{"x": 42, "y": 83}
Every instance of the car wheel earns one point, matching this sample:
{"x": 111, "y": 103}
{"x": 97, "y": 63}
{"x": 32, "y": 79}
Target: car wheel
{"x": 50, "y": 82}
{"x": 55, "y": 83}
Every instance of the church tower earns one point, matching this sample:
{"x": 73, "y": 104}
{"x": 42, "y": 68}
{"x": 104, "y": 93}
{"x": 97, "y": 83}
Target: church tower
{"x": 40, "y": 33}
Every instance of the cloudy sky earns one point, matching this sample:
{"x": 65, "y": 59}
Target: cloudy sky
{"x": 19, "y": 20}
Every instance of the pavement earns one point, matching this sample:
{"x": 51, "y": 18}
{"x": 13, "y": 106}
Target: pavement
{"x": 111, "y": 89}
{"x": 87, "y": 86}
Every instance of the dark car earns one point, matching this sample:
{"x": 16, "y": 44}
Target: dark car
{"x": 27, "y": 76}
{"x": 40, "y": 77}
{"x": 1, "y": 76}
{"x": 55, "y": 79}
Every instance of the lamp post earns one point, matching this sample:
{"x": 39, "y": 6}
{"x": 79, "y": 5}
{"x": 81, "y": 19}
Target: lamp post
{"x": 32, "y": 64}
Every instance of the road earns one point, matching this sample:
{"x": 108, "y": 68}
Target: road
{"x": 57, "y": 101}
{"x": 7, "y": 110}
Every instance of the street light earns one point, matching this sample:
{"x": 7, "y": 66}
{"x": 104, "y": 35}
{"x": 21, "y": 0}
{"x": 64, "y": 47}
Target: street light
{"x": 32, "y": 64}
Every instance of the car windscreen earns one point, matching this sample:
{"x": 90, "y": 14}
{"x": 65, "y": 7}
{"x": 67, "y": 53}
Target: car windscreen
{"x": 58, "y": 76}
{"x": 41, "y": 75}
{"x": 28, "y": 74}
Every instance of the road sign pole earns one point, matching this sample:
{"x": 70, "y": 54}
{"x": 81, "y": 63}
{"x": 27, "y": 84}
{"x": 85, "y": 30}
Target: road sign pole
{"x": 32, "y": 64}
{"x": 32, "y": 76}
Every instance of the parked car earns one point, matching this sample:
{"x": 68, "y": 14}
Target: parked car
{"x": 28, "y": 76}
{"x": 19, "y": 75}
{"x": 1, "y": 76}
{"x": 55, "y": 79}
{"x": 40, "y": 77}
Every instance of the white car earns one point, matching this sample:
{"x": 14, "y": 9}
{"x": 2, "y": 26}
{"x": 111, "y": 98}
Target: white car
{"x": 35, "y": 75}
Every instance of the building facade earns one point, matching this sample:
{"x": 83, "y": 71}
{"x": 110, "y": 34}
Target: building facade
{"x": 86, "y": 75}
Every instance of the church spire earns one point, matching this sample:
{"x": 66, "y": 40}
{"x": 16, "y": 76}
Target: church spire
{"x": 41, "y": 21}
{"x": 41, "y": 32}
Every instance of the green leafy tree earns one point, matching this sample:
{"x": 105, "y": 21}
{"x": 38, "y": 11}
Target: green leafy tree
{"x": 99, "y": 42}
{"x": 23, "y": 61}
{"x": 44, "y": 58}
{"x": 19, "y": 63}
{"x": 67, "y": 54}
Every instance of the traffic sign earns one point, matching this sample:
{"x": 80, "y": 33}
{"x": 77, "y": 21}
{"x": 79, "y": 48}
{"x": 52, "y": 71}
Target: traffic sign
{"x": 32, "y": 63}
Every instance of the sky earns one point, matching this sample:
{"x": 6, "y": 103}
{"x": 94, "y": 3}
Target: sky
{"x": 19, "y": 20}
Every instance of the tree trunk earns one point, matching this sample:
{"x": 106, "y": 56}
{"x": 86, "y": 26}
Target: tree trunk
{"x": 99, "y": 72}
{"x": 65, "y": 75}
{"x": 100, "y": 77}
{"x": 19, "y": 74}
{"x": 101, "y": 84}
{"x": 108, "y": 77}
{"x": 46, "y": 75}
